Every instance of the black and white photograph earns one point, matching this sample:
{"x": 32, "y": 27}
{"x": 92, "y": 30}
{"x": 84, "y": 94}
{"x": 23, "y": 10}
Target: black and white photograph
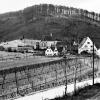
{"x": 49, "y": 49}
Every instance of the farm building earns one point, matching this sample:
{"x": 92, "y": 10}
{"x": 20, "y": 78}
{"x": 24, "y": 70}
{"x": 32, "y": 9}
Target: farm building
{"x": 14, "y": 43}
{"x": 17, "y": 45}
{"x": 46, "y": 44}
{"x": 48, "y": 41}
{"x": 31, "y": 42}
{"x": 86, "y": 45}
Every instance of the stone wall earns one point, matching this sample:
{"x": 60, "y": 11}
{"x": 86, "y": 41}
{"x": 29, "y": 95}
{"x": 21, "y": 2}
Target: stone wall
{"x": 43, "y": 76}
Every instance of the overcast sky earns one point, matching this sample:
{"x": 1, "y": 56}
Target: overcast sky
{"x": 13, "y": 5}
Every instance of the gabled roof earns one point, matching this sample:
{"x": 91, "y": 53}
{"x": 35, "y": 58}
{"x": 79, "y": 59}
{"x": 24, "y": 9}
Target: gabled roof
{"x": 83, "y": 41}
{"x": 86, "y": 45}
{"x": 49, "y": 49}
{"x": 52, "y": 48}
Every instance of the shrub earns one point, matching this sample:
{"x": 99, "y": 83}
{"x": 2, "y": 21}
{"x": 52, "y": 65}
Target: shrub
{"x": 9, "y": 49}
{"x": 1, "y": 48}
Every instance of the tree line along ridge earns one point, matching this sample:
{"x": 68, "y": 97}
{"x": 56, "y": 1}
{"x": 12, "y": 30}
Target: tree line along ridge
{"x": 30, "y": 13}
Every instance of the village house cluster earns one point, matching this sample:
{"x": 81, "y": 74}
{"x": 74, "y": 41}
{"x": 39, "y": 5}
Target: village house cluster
{"x": 47, "y": 48}
{"x": 30, "y": 46}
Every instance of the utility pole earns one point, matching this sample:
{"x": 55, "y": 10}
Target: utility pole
{"x": 93, "y": 63}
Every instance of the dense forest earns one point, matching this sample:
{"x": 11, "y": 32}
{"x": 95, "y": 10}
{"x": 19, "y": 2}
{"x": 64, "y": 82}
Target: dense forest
{"x": 39, "y": 20}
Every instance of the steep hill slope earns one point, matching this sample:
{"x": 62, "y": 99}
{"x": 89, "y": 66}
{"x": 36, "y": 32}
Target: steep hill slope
{"x": 33, "y": 22}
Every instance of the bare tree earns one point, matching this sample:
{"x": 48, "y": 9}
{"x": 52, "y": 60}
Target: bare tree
{"x": 75, "y": 75}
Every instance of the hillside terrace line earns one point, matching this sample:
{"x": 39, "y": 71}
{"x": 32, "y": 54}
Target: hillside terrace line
{"x": 8, "y": 65}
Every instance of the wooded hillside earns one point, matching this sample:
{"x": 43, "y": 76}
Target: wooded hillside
{"x": 39, "y": 20}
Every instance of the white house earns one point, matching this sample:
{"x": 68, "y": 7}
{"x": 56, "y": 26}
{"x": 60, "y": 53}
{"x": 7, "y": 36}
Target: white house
{"x": 50, "y": 52}
{"x": 55, "y": 52}
{"x": 86, "y": 45}
{"x": 98, "y": 52}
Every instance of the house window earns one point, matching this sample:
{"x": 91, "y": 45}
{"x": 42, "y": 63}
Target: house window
{"x": 87, "y": 50}
{"x": 85, "y": 46}
{"x": 92, "y": 50}
{"x": 91, "y": 46}
{"x": 88, "y": 42}
{"x": 48, "y": 50}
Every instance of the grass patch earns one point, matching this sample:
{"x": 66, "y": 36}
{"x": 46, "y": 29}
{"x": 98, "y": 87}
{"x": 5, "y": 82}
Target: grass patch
{"x": 82, "y": 93}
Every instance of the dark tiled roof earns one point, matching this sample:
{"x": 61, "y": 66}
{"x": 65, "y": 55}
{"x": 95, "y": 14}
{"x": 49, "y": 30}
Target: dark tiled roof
{"x": 47, "y": 38}
{"x": 83, "y": 41}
